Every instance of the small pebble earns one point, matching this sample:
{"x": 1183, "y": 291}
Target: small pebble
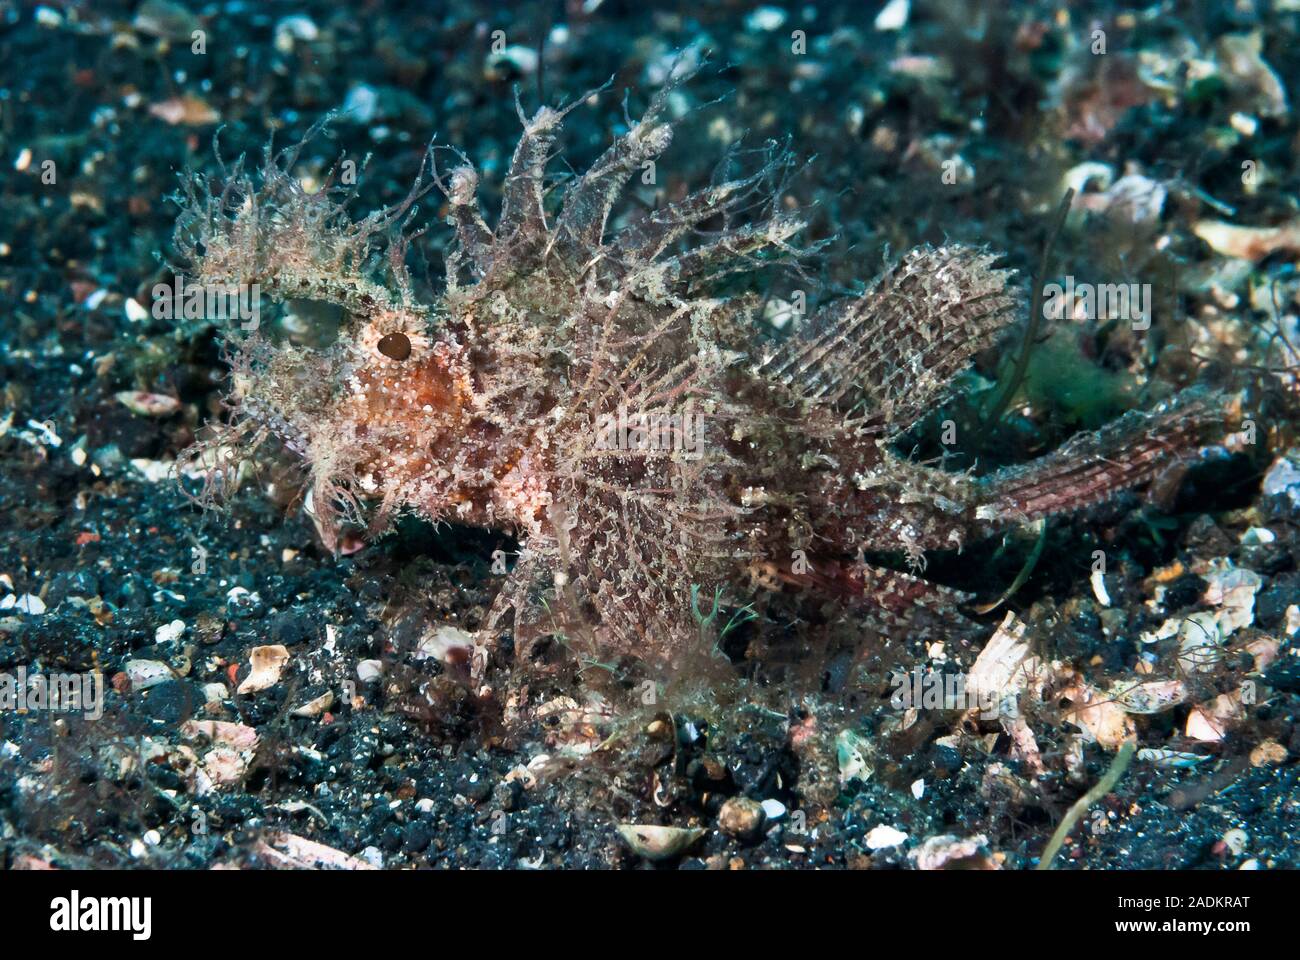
{"x": 741, "y": 817}
{"x": 28, "y": 603}
{"x": 1236, "y": 840}
{"x": 169, "y": 632}
{"x": 135, "y": 312}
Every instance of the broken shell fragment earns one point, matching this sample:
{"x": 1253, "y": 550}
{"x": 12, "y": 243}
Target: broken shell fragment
{"x": 1005, "y": 667}
{"x": 1209, "y": 722}
{"x": 884, "y": 836}
{"x": 1172, "y": 758}
{"x": 314, "y": 708}
{"x": 288, "y": 851}
{"x": 189, "y": 110}
{"x": 368, "y": 671}
{"x": 1101, "y": 718}
{"x": 1200, "y": 644}
{"x": 224, "y": 766}
{"x": 266, "y": 662}
{"x": 1268, "y": 752}
{"x": 854, "y": 755}
{"x": 1233, "y": 590}
{"x": 950, "y": 852}
{"x": 148, "y": 404}
{"x": 28, "y": 603}
{"x": 1248, "y": 243}
{"x": 1153, "y": 696}
{"x": 144, "y": 674}
{"x": 658, "y": 843}
{"x": 221, "y": 732}
{"x": 445, "y": 643}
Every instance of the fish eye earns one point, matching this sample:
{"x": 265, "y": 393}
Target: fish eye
{"x": 395, "y": 346}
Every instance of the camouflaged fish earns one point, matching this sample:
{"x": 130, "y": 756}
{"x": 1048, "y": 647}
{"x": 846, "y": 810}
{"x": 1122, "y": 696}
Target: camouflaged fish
{"x": 590, "y": 391}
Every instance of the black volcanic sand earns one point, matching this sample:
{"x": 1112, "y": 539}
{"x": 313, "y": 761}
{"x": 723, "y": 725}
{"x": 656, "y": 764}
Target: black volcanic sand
{"x": 116, "y": 99}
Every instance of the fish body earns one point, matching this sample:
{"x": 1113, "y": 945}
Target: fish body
{"x": 591, "y": 392}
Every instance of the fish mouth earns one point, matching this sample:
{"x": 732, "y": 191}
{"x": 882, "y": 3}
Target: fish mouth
{"x": 339, "y": 536}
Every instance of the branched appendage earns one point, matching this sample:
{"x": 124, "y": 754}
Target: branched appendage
{"x": 220, "y": 460}
{"x": 268, "y": 229}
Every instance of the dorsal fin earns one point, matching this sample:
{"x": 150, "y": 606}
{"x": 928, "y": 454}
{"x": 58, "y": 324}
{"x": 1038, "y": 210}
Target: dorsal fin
{"x": 523, "y": 210}
{"x": 654, "y": 232}
{"x": 580, "y": 227}
{"x": 902, "y": 341}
